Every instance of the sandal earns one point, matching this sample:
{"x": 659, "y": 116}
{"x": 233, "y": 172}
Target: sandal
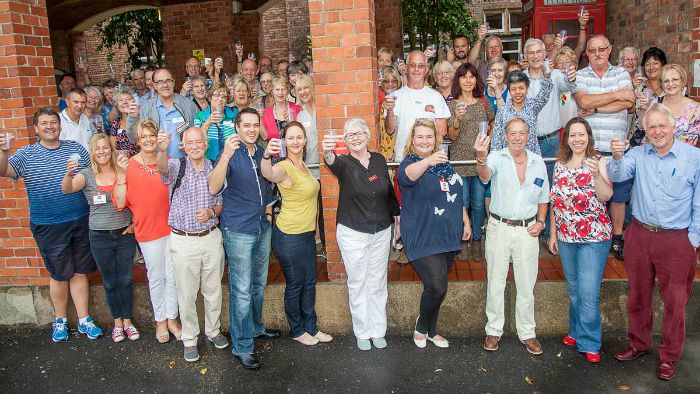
{"x": 163, "y": 336}
{"x": 176, "y": 334}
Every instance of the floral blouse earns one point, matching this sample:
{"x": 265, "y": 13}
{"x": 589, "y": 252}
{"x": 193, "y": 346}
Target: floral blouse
{"x": 122, "y": 140}
{"x": 688, "y": 124}
{"x": 578, "y": 214}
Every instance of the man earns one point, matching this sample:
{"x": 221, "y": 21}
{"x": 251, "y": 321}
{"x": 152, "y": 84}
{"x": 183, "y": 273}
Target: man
{"x": 494, "y": 49}
{"x": 265, "y": 64}
{"x": 66, "y": 83}
{"x": 605, "y": 93}
{"x": 59, "y": 222}
{"x": 173, "y": 113}
{"x": 385, "y": 57}
{"x": 628, "y": 58}
{"x": 548, "y": 119}
{"x": 460, "y": 51}
{"x": 281, "y": 68}
{"x": 195, "y": 242}
{"x": 139, "y": 79}
{"x": 663, "y": 236}
{"x": 519, "y": 202}
{"x": 75, "y": 125}
{"x": 549, "y": 39}
{"x": 193, "y": 68}
{"x": 148, "y": 77}
{"x": 246, "y": 218}
{"x": 248, "y": 71}
{"x": 108, "y": 88}
{"x": 413, "y": 101}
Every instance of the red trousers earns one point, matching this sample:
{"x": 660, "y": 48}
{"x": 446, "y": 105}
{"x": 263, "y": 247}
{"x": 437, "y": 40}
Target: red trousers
{"x": 670, "y": 258}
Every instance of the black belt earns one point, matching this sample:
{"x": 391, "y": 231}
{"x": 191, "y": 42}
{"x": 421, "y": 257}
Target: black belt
{"x": 544, "y": 137}
{"x": 513, "y": 222}
{"x": 115, "y": 231}
{"x": 198, "y": 234}
{"x": 656, "y": 229}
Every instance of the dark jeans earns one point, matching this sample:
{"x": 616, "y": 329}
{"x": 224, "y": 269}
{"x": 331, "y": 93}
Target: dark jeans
{"x": 114, "y": 254}
{"x": 321, "y": 226}
{"x": 433, "y": 272}
{"x": 297, "y": 256}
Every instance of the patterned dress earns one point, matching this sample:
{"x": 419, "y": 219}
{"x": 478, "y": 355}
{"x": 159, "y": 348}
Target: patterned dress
{"x": 578, "y": 214}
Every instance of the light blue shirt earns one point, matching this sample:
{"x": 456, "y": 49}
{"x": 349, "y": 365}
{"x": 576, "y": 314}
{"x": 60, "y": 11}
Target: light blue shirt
{"x": 665, "y": 192}
{"x": 169, "y": 121}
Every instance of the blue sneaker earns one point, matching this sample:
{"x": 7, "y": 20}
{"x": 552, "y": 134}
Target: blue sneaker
{"x": 89, "y": 328}
{"x": 60, "y": 330}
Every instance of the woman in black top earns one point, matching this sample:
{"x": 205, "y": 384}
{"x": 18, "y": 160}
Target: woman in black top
{"x": 367, "y": 206}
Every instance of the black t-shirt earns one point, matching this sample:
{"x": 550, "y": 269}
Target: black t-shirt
{"x": 367, "y": 202}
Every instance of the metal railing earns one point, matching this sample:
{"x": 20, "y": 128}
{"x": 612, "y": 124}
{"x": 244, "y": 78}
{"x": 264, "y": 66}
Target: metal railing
{"x": 453, "y": 162}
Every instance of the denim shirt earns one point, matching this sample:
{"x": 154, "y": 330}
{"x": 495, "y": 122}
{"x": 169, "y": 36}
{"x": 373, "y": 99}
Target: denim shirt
{"x": 246, "y": 193}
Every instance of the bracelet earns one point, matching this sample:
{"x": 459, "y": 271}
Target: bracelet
{"x": 268, "y": 214}
{"x": 266, "y": 157}
{"x": 480, "y": 162}
{"x": 121, "y": 183}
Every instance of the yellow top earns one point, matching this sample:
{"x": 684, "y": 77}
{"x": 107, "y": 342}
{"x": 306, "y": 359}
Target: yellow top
{"x": 299, "y": 201}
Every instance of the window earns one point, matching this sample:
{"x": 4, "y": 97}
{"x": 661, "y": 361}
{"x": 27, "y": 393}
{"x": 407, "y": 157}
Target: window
{"x": 511, "y": 47}
{"x": 495, "y": 20}
{"x": 515, "y": 21}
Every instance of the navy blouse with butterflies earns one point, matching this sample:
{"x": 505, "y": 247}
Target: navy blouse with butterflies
{"x": 431, "y": 219}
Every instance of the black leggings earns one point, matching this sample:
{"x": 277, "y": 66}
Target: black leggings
{"x": 433, "y": 272}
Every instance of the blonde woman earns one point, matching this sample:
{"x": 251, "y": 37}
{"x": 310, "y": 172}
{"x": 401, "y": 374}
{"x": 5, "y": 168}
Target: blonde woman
{"x": 239, "y": 93}
{"x": 443, "y": 73}
{"x": 112, "y": 240}
{"x": 391, "y": 82}
{"x": 567, "y": 105}
{"x": 140, "y": 188}
{"x": 93, "y": 108}
{"x": 282, "y": 111}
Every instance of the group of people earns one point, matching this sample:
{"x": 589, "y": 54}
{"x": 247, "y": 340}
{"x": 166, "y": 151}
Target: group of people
{"x": 192, "y": 179}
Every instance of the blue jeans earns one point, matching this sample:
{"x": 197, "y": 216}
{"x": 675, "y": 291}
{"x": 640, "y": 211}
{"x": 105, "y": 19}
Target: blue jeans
{"x": 473, "y": 194}
{"x": 114, "y": 254}
{"x": 248, "y": 258}
{"x": 548, "y": 148}
{"x": 583, "y": 265}
{"x": 297, "y": 256}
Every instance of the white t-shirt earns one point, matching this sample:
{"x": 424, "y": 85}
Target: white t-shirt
{"x": 79, "y": 132}
{"x": 412, "y": 104}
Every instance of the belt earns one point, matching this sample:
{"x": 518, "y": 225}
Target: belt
{"x": 544, "y": 137}
{"x": 115, "y": 231}
{"x": 656, "y": 229}
{"x": 513, "y": 222}
{"x": 198, "y": 234}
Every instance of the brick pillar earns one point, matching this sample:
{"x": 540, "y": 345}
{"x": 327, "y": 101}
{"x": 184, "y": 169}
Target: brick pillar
{"x": 26, "y": 83}
{"x": 345, "y": 73}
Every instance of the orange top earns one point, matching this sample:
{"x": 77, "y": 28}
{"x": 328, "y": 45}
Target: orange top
{"x": 147, "y": 198}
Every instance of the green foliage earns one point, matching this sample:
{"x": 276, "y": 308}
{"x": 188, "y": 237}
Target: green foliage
{"x": 436, "y": 21}
{"x": 139, "y": 31}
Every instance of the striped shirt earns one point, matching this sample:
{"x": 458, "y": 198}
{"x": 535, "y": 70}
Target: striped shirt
{"x": 217, "y": 133}
{"x": 605, "y": 126}
{"x": 43, "y": 170}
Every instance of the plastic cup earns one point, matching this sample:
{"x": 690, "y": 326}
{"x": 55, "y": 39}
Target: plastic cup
{"x": 8, "y": 140}
{"x": 283, "y": 149}
{"x": 483, "y": 127}
{"x": 581, "y": 10}
{"x": 207, "y": 61}
{"x": 487, "y": 25}
{"x": 444, "y": 148}
{"x": 564, "y": 36}
{"x": 75, "y": 157}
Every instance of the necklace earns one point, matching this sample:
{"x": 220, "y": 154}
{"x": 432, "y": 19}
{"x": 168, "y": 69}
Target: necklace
{"x": 148, "y": 170}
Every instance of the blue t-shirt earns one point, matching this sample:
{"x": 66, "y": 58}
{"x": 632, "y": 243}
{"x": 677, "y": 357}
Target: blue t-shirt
{"x": 62, "y": 104}
{"x": 492, "y": 99}
{"x": 106, "y": 109}
{"x": 43, "y": 170}
{"x": 247, "y": 193}
{"x": 431, "y": 219}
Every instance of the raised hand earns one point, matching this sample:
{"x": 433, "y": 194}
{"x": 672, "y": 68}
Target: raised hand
{"x": 618, "y": 147}
{"x": 231, "y": 145}
{"x": 436, "y": 158}
{"x": 122, "y": 163}
{"x": 329, "y": 142}
{"x": 274, "y": 147}
{"x": 481, "y": 145}
{"x": 163, "y": 141}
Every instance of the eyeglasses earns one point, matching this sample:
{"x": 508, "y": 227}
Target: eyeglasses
{"x": 668, "y": 81}
{"x": 164, "y": 82}
{"x": 354, "y": 135}
{"x": 598, "y": 50}
{"x": 221, "y": 96}
{"x": 629, "y": 60}
{"x": 444, "y": 74}
{"x": 417, "y": 65}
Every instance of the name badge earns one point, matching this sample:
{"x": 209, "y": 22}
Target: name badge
{"x": 99, "y": 199}
{"x": 227, "y": 123}
{"x": 177, "y": 120}
{"x": 539, "y": 182}
{"x": 373, "y": 178}
{"x": 444, "y": 186}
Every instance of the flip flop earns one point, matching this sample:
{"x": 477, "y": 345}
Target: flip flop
{"x": 163, "y": 336}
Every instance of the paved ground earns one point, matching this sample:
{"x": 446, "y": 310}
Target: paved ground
{"x": 31, "y": 363}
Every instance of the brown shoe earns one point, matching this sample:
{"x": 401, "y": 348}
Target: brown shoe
{"x": 666, "y": 370}
{"x": 533, "y": 346}
{"x": 477, "y": 251}
{"x": 629, "y": 354}
{"x": 464, "y": 252}
{"x": 491, "y": 343}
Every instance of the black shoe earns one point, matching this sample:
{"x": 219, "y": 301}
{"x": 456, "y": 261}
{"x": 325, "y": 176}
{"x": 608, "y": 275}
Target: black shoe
{"x": 248, "y": 361}
{"x": 477, "y": 251}
{"x": 269, "y": 334}
{"x": 616, "y": 247}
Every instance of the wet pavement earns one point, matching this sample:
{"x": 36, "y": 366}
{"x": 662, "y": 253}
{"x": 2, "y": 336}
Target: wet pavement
{"x": 31, "y": 363}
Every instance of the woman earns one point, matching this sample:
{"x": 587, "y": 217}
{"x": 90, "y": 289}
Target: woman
{"x": 522, "y": 107}
{"x": 142, "y": 191}
{"x": 293, "y": 234}
{"x": 217, "y": 121}
{"x": 265, "y": 100}
{"x": 567, "y": 105}
{"x": 112, "y": 240}
{"x": 434, "y": 221}
{"x": 238, "y": 93}
{"x": 93, "y": 108}
{"x": 468, "y": 109}
{"x": 580, "y": 188}
{"x": 280, "y": 113}
{"x": 366, "y": 205}
{"x": 495, "y": 85}
{"x": 652, "y": 61}
{"x": 199, "y": 92}
{"x": 123, "y": 99}
{"x": 391, "y": 82}
{"x": 443, "y": 73}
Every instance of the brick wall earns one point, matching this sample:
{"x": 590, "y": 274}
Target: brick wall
{"x": 246, "y": 27}
{"x": 297, "y": 26}
{"x": 61, "y": 50}
{"x": 85, "y": 45}
{"x": 204, "y": 25}
{"x": 26, "y": 83}
{"x": 273, "y": 32}
{"x": 388, "y": 25}
{"x": 670, "y": 25}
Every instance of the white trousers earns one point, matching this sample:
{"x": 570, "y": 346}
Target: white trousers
{"x": 504, "y": 242}
{"x": 198, "y": 263}
{"x": 366, "y": 259}
{"x": 161, "y": 280}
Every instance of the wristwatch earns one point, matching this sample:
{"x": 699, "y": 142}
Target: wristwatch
{"x": 540, "y": 222}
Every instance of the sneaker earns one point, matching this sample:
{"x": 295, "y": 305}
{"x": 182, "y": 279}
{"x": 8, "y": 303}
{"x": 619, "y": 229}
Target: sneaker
{"x": 364, "y": 344}
{"x": 60, "y": 330}
{"x": 118, "y": 334}
{"x": 89, "y": 328}
{"x": 191, "y": 354}
{"x": 616, "y": 247}
{"x": 219, "y": 341}
{"x": 379, "y": 343}
{"x": 568, "y": 341}
{"x": 132, "y": 333}
{"x": 533, "y": 346}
